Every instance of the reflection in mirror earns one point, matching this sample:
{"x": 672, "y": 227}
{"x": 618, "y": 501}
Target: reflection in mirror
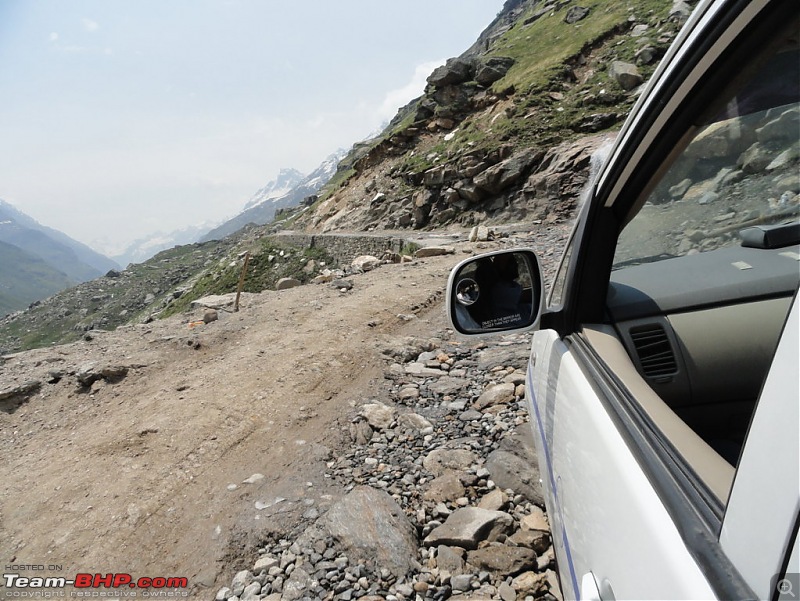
{"x": 496, "y": 292}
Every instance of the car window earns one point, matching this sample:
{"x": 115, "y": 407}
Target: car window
{"x": 739, "y": 171}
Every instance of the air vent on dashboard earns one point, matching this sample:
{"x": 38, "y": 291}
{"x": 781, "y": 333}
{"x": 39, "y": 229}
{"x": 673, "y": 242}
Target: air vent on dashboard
{"x": 654, "y": 351}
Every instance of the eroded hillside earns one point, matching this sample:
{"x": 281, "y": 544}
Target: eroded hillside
{"x": 505, "y": 132}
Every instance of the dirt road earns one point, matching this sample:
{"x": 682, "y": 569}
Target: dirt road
{"x": 145, "y": 473}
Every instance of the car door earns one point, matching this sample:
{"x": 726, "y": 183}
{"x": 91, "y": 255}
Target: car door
{"x": 663, "y": 326}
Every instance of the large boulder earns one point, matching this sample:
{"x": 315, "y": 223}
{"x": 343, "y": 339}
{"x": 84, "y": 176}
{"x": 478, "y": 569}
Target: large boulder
{"x": 454, "y": 71}
{"x": 371, "y": 527}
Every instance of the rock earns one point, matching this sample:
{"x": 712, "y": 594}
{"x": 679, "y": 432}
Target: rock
{"x": 251, "y": 592}
{"x": 361, "y": 432}
{"x": 535, "y": 521}
{"x": 295, "y": 587}
{"x": 755, "y": 159}
{"x": 370, "y": 526}
{"x": 240, "y": 582}
{"x": 210, "y": 315}
{"x": 448, "y": 385}
{"x": 450, "y": 560}
{"x": 454, "y": 71}
{"x": 490, "y": 69}
{"x": 378, "y": 415}
{"x": 286, "y": 283}
{"x": 342, "y": 284}
{"x": 499, "y": 177}
{"x": 575, "y": 14}
{"x": 264, "y": 564}
{"x": 447, "y": 487}
{"x": 365, "y": 263}
{"x": 506, "y": 592}
{"x": 680, "y": 11}
{"x": 480, "y": 233}
{"x": 537, "y": 540}
{"x": 499, "y": 394}
{"x": 17, "y": 394}
{"x": 514, "y": 465}
{"x": 414, "y": 421}
{"x": 530, "y": 584}
{"x": 496, "y": 500}
{"x": 434, "y": 251}
{"x": 253, "y": 479}
{"x": 469, "y": 526}
{"x": 503, "y": 560}
{"x": 461, "y": 582}
{"x": 625, "y": 74}
{"x": 223, "y": 594}
{"x": 439, "y": 461}
{"x": 215, "y": 301}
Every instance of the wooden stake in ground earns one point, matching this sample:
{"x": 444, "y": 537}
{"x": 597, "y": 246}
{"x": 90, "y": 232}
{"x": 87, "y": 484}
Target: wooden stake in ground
{"x": 241, "y": 281}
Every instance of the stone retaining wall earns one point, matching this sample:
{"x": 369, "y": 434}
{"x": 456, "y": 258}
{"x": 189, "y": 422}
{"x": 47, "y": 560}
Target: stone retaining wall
{"x": 343, "y": 247}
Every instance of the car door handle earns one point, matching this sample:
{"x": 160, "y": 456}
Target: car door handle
{"x": 589, "y": 590}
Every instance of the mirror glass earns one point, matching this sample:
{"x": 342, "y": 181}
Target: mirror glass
{"x": 495, "y": 292}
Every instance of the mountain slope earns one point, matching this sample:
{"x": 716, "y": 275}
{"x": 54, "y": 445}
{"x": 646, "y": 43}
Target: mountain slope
{"x": 285, "y": 192}
{"x": 65, "y": 254}
{"x": 506, "y": 131}
{"x": 37, "y": 261}
{"x": 25, "y": 278}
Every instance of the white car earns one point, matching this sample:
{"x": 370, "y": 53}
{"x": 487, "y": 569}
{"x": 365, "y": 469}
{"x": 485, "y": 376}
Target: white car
{"x": 663, "y": 380}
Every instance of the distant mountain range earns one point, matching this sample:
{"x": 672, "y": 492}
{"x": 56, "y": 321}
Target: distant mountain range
{"x": 144, "y": 248}
{"x": 288, "y": 190}
{"x": 37, "y": 261}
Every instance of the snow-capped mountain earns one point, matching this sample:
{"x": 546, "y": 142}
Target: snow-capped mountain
{"x": 144, "y": 248}
{"x": 286, "y": 181}
{"x": 260, "y": 209}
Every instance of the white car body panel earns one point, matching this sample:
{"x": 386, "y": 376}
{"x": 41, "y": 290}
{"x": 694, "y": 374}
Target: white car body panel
{"x": 756, "y": 541}
{"x": 580, "y": 450}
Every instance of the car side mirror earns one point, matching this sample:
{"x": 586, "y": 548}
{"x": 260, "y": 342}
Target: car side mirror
{"x": 500, "y": 291}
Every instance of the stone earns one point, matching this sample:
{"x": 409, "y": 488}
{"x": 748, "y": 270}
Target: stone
{"x": 371, "y": 526}
{"x": 503, "y": 560}
{"x": 434, "y": 251}
{"x": 251, "y": 592}
{"x": 414, "y": 421}
{"x": 755, "y": 159}
{"x": 454, "y": 71}
{"x": 447, "y": 487}
{"x": 575, "y": 14}
{"x": 448, "y": 385}
{"x": 490, "y": 69}
{"x": 514, "y": 464}
{"x": 461, "y": 582}
{"x": 480, "y": 233}
{"x": 286, "y": 283}
{"x": 253, "y": 479}
{"x": 295, "y": 587}
{"x": 378, "y": 415}
{"x": 625, "y": 74}
{"x": 365, "y": 263}
{"x": 361, "y": 432}
{"x": 469, "y": 526}
{"x": 535, "y": 520}
{"x": 506, "y": 592}
{"x": 210, "y": 315}
{"x": 223, "y": 594}
{"x": 240, "y": 582}
{"x": 503, "y": 175}
{"x": 439, "y": 461}
{"x": 342, "y": 284}
{"x": 499, "y": 394}
{"x": 537, "y": 540}
{"x": 496, "y": 500}
{"x": 530, "y": 583}
{"x": 264, "y": 564}
{"x": 450, "y": 560}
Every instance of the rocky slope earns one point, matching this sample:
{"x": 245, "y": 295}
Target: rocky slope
{"x": 505, "y": 132}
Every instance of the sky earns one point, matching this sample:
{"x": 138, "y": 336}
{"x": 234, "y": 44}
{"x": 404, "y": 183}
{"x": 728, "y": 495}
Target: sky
{"x": 120, "y": 118}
